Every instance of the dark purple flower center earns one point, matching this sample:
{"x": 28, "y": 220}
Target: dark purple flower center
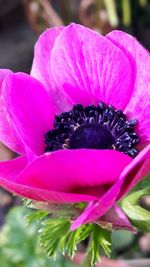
{"x": 94, "y": 127}
{"x": 87, "y": 136}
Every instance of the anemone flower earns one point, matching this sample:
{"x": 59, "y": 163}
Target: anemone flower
{"x": 80, "y": 122}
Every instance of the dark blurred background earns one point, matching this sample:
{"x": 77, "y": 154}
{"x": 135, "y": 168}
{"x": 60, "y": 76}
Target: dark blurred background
{"x": 21, "y": 22}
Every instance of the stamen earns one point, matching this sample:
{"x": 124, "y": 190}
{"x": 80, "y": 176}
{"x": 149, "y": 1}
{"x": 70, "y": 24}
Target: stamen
{"x": 97, "y": 127}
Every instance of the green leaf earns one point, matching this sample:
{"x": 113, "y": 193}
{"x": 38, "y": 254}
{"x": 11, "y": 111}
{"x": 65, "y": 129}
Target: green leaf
{"x": 100, "y": 239}
{"x": 70, "y": 241}
{"x": 73, "y": 240}
{"x": 139, "y": 216}
{"x": 141, "y": 185}
{"x": 76, "y": 237}
{"x": 145, "y": 183}
{"x": 86, "y": 231}
{"x": 52, "y": 233}
{"x": 36, "y": 216}
{"x": 55, "y": 235}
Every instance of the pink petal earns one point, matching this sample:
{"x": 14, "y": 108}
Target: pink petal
{"x": 116, "y": 219}
{"x": 43, "y": 194}
{"x": 41, "y": 62}
{"x": 139, "y": 104}
{"x": 10, "y": 169}
{"x": 29, "y": 108}
{"x": 8, "y": 134}
{"x": 72, "y": 182}
{"x": 75, "y": 171}
{"x": 90, "y": 68}
{"x": 41, "y": 69}
{"x": 130, "y": 175}
{"x": 9, "y": 172}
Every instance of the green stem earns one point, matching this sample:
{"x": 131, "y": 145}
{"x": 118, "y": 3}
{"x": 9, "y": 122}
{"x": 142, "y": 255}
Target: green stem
{"x": 126, "y": 12}
{"x": 112, "y": 12}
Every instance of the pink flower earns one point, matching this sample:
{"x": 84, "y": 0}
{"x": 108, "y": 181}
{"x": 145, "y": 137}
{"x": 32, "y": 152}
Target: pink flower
{"x": 92, "y": 151}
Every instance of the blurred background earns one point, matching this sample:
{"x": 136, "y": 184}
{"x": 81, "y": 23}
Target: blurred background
{"x": 21, "y": 22}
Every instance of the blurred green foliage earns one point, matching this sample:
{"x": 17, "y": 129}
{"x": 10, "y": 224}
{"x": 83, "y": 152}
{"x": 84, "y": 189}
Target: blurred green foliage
{"x": 122, "y": 239}
{"x": 19, "y": 246}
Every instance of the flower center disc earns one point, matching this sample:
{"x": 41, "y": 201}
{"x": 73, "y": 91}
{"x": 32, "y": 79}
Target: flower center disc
{"x": 91, "y": 136}
{"x": 93, "y": 127}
